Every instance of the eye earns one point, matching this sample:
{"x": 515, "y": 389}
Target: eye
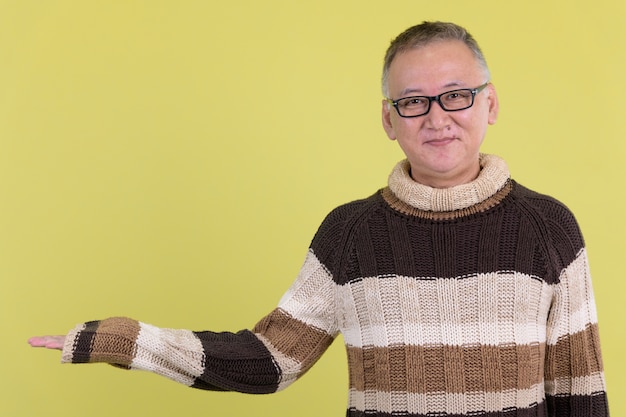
{"x": 457, "y": 95}
{"x": 411, "y": 102}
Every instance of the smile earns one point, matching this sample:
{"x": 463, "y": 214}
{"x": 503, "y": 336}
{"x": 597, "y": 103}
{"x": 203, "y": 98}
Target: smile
{"x": 439, "y": 142}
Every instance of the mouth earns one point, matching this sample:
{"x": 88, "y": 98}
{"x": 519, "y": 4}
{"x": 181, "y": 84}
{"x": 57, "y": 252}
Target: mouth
{"x": 440, "y": 141}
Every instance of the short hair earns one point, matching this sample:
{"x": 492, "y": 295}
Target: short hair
{"x": 424, "y": 34}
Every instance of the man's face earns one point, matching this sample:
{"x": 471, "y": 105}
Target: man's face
{"x": 442, "y": 147}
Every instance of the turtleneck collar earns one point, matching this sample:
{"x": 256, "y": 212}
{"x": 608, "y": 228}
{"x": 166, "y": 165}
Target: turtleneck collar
{"x": 493, "y": 177}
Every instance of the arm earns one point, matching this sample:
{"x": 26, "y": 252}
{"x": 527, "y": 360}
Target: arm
{"x": 280, "y": 349}
{"x": 575, "y": 383}
{"x": 277, "y": 351}
{"x": 573, "y": 371}
{"x": 574, "y": 374}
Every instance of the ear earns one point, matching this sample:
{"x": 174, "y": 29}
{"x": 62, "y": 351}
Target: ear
{"x": 386, "y": 116}
{"x": 494, "y": 105}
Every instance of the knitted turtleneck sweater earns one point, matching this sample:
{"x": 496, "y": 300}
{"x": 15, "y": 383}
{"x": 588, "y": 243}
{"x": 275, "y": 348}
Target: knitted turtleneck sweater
{"x": 470, "y": 301}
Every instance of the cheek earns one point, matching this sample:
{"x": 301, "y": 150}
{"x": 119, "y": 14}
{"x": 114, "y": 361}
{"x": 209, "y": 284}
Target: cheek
{"x": 473, "y": 123}
{"x": 399, "y": 128}
{"x": 408, "y": 126}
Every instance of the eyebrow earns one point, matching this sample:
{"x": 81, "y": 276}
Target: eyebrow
{"x": 410, "y": 90}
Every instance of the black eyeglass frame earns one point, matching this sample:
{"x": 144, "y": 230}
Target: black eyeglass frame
{"x": 437, "y": 98}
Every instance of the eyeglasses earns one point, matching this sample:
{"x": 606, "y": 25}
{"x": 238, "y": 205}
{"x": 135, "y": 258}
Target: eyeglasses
{"x": 454, "y": 100}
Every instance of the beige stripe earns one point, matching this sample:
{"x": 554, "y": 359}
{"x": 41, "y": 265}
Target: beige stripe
{"x": 311, "y": 298}
{"x": 587, "y": 385}
{"x": 290, "y": 369}
{"x": 454, "y": 369}
{"x": 574, "y": 306}
{"x": 446, "y": 403}
{"x": 173, "y": 353}
{"x": 68, "y": 347}
{"x": 403, "y": 310}
{"x": 293, "y": 338}
{"x": 577, "y": 355}
{"x": 114, "y": 341}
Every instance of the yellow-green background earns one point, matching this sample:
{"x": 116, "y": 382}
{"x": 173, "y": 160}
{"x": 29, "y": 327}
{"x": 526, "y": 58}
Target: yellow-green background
{"x": 171, "y": 160}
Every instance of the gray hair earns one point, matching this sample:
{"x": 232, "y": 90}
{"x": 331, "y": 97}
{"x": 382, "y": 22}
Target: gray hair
{"x": 426, "y": 33}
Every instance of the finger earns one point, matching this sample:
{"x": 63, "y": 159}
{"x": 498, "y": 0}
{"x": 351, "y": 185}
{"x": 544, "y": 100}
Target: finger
{"x": 36, "y": 341}
{"x": 49, "y": 342}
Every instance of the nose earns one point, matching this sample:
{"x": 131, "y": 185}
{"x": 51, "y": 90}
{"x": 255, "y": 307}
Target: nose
{"x": 436, "y": 118}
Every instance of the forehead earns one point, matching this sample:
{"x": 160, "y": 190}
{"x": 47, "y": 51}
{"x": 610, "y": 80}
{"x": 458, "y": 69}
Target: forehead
{"x": 429, "y": 68}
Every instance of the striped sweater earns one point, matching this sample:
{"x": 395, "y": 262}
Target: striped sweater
{"x": 470, "y": 301}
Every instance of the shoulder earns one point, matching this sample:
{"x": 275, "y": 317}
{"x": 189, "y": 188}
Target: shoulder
{"x": 548, "y": 207}
{"x": 336, "y": 225}
{"x": 552, "y": 219}
{"x": 355, "y": 208}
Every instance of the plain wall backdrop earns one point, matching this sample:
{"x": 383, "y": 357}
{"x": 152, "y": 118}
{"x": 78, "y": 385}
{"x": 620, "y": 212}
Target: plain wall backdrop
{"x": 171, "y": 161}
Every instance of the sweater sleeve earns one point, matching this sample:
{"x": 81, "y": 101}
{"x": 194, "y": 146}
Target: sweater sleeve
{"x": 575, "y": 385}
{"x": 207, "y": 360}
{"x": 277, "y": 351}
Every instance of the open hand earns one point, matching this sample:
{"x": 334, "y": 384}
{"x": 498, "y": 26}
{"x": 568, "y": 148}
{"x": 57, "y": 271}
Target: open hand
{"x": 49, "y": 342}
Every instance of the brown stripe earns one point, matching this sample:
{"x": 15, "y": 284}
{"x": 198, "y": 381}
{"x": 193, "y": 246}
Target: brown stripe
{"x": 293, "y": 338}
{"x": 577, "y": 355}
{"x": 485, "y": 205}
{"x": 452, "y": 369}
{"x": 114, "y": 341}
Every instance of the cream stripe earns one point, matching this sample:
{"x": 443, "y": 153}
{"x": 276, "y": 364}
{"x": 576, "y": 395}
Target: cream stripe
{"x": 425, "y": 335}
{"x": 176, "y": 354}
{"x": 576, "y": 307}
{"x": 441, "y": 402}
{"x": 68, "y": 347}
{"x": 493, "y": 309}
{"x": 584, "y": 385}
{"x": 289, "y": 368}
{"x": 311, "y": 297}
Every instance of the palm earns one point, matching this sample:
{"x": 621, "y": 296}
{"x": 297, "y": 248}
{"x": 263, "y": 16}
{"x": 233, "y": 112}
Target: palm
{"x": 49, "y": 342}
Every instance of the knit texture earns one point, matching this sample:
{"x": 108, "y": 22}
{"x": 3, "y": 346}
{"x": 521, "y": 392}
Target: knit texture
{"x": 469, "y": 301}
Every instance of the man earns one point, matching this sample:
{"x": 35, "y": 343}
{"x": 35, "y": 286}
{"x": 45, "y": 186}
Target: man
{"x": 457, "y": 290}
